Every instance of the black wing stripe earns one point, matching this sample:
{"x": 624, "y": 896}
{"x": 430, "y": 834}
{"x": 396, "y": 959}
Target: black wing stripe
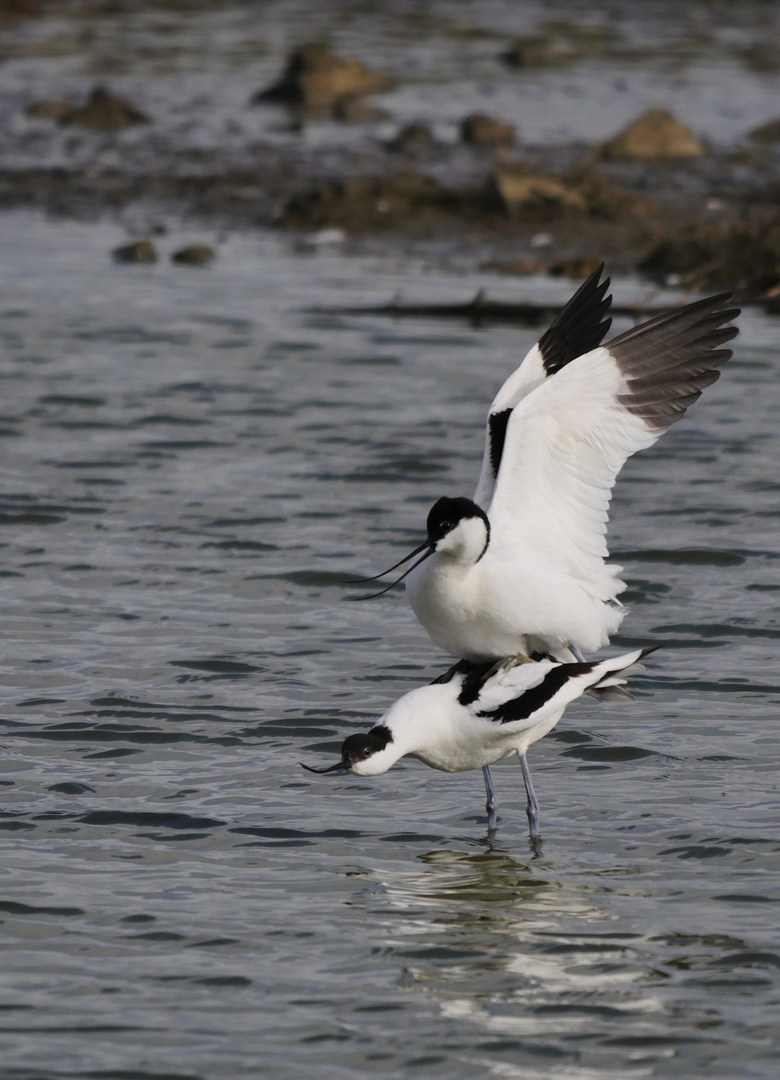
{"x": 475, "y": 675}
{"x": 532, "y": 700}
{"x": 497, "y": 425}
{"x": 579, "y": 327}
{"x": 462, "y": 667}
{"x": 668, "y": 361}
{"x": 475, "y": 680}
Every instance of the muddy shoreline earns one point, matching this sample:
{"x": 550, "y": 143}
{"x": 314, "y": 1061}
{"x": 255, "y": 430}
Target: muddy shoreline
{"x": 721, "y": 236}
{"x": 317, "y": 148}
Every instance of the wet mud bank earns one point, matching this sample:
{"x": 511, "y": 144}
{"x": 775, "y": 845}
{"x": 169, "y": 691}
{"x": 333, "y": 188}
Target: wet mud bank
{"x": 472, "y": 137}
{"x": 720, "y": 235}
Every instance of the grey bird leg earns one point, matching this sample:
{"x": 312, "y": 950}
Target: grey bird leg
{"x": 490, "y": 805}
{"x": 577, "y": 654}
{"x": 532, "y": 806}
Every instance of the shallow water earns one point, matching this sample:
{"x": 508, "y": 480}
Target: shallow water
{"x": 192, "y": 461}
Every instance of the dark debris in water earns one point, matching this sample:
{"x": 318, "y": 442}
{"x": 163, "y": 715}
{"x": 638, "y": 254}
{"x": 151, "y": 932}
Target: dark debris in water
{"x": 12, "y": 907}
{"x": 480, "y": 310}
{"x": 149, "y": 818}
{"x": 71, "y": 787}
{"x": 607, "y": 753}
{"x": 219, "y": 667}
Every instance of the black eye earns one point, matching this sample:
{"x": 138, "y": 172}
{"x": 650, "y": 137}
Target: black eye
{"x": 367, "y": 752}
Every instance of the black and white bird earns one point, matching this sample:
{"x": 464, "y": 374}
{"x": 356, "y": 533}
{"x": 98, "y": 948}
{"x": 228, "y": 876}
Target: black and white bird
{"x": 478, "y": 714}
{"x": 521, "y": 568}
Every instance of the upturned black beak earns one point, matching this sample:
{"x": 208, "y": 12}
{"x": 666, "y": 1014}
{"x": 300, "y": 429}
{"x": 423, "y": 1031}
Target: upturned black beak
{"x": 340, "y": 766}
{"x": 427, "y": 548}
{"x": 376, "y": 577}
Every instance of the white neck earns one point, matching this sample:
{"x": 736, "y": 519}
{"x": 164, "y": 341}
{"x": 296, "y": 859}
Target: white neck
{"x": 403, "y": 720}
{"x": 465, "y": 543}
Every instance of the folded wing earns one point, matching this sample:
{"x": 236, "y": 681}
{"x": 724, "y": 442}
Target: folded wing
{"x": 528, "y": 692}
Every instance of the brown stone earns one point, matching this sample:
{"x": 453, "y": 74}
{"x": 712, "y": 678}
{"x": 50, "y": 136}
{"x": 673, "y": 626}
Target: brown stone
{"x": 105, "y": 112}
{"x": 565, "y": 42}
{"x": 362, "y": 203}
{"x": 316, "y": 77}
{"x": 411, "y": 138}
{"x": 763, "y": 59}
{"x": 18, "y": 8}
{"x": 656, "y": 134}
{"x": 517, "y": 267}
{"x": 53, "y": 109}
{"x": 194, "y": 255}
{"x": 579, "y": 266}
{"x": 142, "y": 251}
{"x": 534, "y": 51}
{"x": 767, "y": 133}
{"x": 481, "y": 130}
{"x": 351, "y": 110}
{"x": 516, "y": 191}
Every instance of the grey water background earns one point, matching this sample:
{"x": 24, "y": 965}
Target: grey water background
{"x": 191, "y": 463}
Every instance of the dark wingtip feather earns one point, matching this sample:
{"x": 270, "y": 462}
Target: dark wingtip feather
{"x": 581, "y": 326}
{"x": 668, "y": 361}
{"x": 650, "y": 648}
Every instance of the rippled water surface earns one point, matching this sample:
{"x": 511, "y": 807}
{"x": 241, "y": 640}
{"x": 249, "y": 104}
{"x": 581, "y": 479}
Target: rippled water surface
{"x": 191, "y": 463}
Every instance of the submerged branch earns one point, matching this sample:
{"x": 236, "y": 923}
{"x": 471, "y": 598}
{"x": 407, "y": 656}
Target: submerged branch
{"x": 480, "y": 310}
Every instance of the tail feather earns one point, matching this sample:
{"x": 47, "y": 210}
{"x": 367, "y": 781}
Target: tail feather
{"x": 608, "y": 688}
{"x": 611, "y": 692}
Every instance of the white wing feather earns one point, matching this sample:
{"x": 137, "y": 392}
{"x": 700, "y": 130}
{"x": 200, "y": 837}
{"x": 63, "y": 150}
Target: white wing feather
{"x": 522, "y": 381}
{"x": 578, "y": 328}
{"x": 566, "y": 442}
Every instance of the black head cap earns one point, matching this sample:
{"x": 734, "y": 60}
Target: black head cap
{"x": 446, "y": 513}
{"x": 357, "y": 748}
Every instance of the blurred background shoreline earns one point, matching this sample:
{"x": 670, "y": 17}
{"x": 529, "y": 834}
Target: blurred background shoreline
{"x": 528, "y": 138}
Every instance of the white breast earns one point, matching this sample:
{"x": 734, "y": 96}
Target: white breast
{"x": 497, "y": 608}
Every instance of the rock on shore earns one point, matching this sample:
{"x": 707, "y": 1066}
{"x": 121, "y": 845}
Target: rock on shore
{"x": 481, "y": 130}
{"x": 104, "y": 111}
{"x": 140, "y": 251}
{"x": 655, "y": 134}
{"x": 315, "y": 78}
{"x": 194, "y": 255}
{"x": 513, "y": 191}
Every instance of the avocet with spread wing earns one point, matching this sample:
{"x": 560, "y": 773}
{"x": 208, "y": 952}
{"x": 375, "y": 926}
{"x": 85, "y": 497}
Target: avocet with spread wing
{"x": 522, "y": 567}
